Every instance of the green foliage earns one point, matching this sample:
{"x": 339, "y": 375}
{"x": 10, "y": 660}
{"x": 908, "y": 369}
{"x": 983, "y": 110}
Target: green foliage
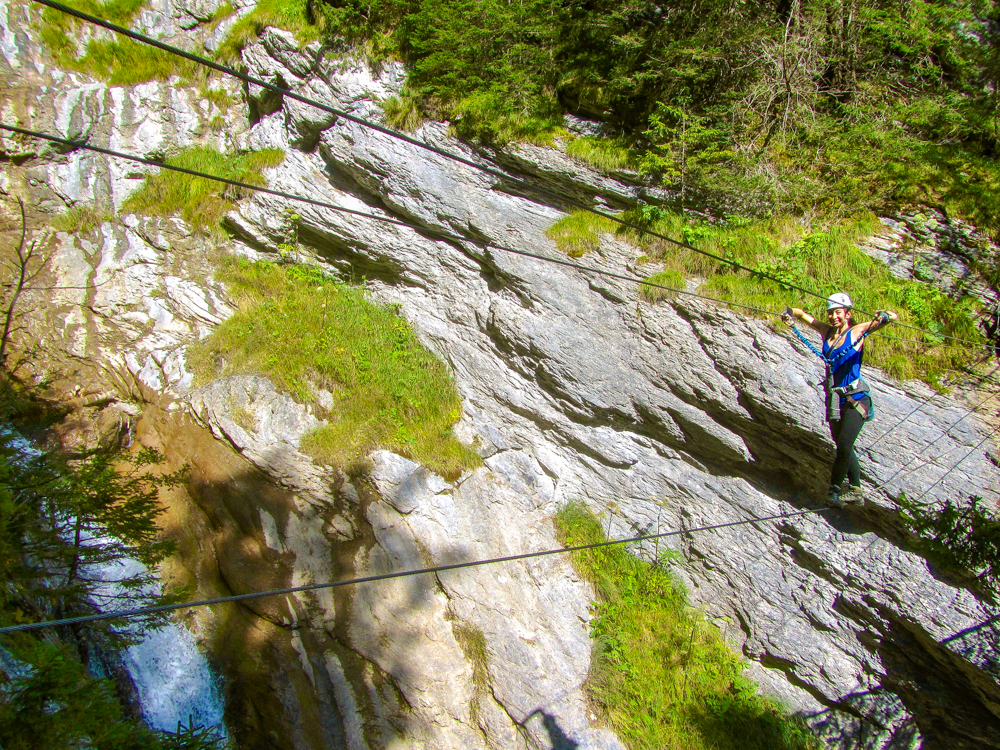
{"x": 55, "y": 704}
{"x": 58, "y": 519}
{"x": 487, "y": 65}
{"x": 296, "y": 16}
{"x": 670, "y": 278}
{"x": 115, "y": 59}
{"x": 577, "y": 234}
{"x": 605, "y": 154}
{"x": 963, "y": 538}
{"x": 200, "y": 202}
{"x": 81, "y": 219}
{"x": 219, "y": 97}
{"x": 824, "y": 108}
{"x": 403, "y": 113}
{"x": 661, "y": 676}
{"x": 305, "y": 332}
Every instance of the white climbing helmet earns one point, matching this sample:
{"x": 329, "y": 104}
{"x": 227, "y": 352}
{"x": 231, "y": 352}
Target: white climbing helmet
{"x": 838, "y": 300}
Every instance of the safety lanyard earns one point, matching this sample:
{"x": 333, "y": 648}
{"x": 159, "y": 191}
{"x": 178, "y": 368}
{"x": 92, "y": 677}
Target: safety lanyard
{"x": 832, "y": 364}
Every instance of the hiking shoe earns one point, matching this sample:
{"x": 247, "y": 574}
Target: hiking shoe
{"x": 853, "y": 495}
{"x": 833, "y": 499}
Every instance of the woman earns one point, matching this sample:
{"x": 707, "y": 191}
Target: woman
{"x": 849, "y": 404}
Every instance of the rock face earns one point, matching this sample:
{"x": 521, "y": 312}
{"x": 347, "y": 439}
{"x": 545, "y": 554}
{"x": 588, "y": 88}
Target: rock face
{"x": 572, "y": 388}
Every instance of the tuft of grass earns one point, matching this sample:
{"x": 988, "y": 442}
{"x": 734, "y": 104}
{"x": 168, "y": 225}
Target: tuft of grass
{"x": 81, "y": 219}
{"x": 606, "y": 154}
{"x": 295, "y": 16}
{"x": 219, "y": 97}
{"x": 404, "y": 113}
{"x": 118, "y": 61}
{"x": 669, "y": 278}
{"x": 473, "y": 645}
{"x": 200, "y": 202}
{"x": 577, "y": 234}
{"x": 223, "y": 12}
{"x": 305, "y": 332}
{"x": 662, "y": 677}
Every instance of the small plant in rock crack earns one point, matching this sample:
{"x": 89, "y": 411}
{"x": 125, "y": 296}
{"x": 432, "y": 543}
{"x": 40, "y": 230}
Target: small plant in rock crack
{"x": 288, "y": 248}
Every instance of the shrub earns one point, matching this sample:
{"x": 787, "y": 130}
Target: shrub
{"x": 963, "y": 538}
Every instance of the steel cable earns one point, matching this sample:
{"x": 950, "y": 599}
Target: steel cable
{"x": 398, "y": 222}
{"x": 387, "y": 576}
{"x": 136, "y": 36}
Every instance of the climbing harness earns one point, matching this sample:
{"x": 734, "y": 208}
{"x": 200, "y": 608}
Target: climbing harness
{"x": 834, "y": 393}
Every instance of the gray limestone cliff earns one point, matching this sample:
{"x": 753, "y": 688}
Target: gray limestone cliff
{"x": 572, "y": 389}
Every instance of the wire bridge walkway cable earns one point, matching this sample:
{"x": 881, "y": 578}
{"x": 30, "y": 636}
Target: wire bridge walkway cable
{"x": 437, "y": 233}
{"x": 142, "y": 611}
{"x": 478, "y": 165}
{"x": 145, "y": 611}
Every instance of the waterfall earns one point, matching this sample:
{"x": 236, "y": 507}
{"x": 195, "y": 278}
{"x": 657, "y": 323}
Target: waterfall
{"x": 173, "y": 679}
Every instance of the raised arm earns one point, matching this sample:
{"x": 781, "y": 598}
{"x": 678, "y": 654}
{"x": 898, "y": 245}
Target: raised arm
{"x": 881, "y": 319}
{"x": 809, "y": 320}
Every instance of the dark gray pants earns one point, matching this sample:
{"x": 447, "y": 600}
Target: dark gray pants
{"x": 844, "y": 432}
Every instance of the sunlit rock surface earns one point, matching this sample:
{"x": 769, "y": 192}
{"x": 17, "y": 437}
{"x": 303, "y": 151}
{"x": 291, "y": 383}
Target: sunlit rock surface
{"x": 682, "y": 414}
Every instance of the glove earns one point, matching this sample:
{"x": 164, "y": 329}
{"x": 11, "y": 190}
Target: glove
{"x": 883, "y": 317}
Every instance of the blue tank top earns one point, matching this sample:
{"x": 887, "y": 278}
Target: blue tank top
{"x": 847, "y": 361}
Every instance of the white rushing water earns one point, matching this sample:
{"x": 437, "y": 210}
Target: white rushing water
{"x": 175, "y": 683}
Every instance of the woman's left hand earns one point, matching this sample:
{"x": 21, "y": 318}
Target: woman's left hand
{"x": 885, "y": 317}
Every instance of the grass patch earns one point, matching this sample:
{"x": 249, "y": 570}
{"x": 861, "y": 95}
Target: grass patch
{"x": 577, "y": 234}
{"x": 117, "y": 60}
{"x": 605, "y": 154}
{"x": 661, "y": 676}
{"x": 473, "y": 644}
{"x": 403, "y": 113}
{"x": 304, "y": 332}
{"x": 201, "y": 203}
{"x": 223, "y": 12}
{"x": 669, "y": 278}
{"x": 295, "y": 16}
{"x": 81, "y": 219}
{"x": 219, "y": 97}
{"x": 824, "y": 260}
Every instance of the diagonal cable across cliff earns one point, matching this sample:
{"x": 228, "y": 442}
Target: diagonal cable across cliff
{"x": 386, "y": 576}
{"x": 441, "y": 234}
{"x": 143, "y": 611}
{"x": 524, "y": 184}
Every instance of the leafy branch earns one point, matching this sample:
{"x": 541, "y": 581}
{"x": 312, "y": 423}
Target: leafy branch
{"x": 960, "y": 537}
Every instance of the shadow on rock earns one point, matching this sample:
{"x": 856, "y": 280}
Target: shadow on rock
{"x": 558, "y": 738}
